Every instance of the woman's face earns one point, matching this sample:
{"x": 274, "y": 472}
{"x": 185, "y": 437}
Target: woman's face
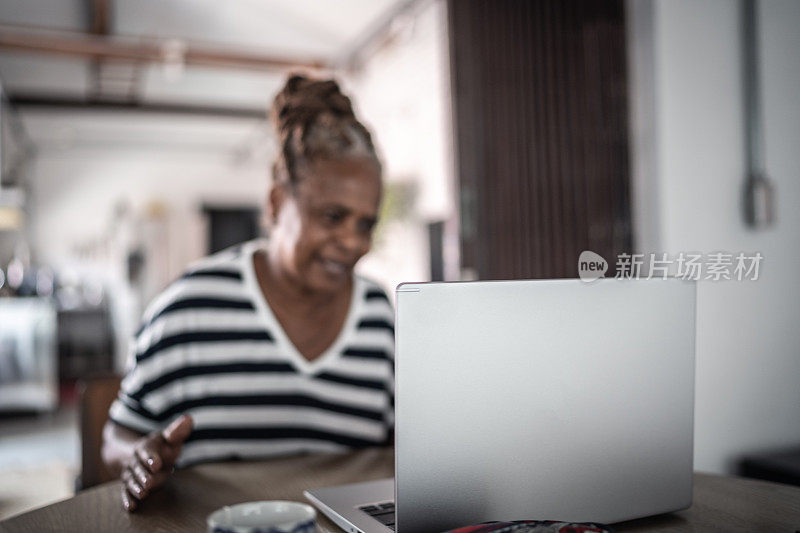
{"x": 325, "y": 225}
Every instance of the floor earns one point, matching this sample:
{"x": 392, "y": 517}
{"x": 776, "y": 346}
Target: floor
{"x": 39, "y": 459}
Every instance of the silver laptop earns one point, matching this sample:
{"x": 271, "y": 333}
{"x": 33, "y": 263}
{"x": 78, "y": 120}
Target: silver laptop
{"x": 546, "y": 400}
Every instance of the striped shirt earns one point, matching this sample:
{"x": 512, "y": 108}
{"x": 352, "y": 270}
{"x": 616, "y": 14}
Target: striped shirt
{"x": 211, "y": 347}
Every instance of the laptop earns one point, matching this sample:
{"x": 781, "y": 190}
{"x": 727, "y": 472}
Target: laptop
{"x": 545, "y": 400}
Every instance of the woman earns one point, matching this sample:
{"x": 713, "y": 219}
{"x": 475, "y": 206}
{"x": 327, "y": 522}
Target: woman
{"x": 277, "y": 347}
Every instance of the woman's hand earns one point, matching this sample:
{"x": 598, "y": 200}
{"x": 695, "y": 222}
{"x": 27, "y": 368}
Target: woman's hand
{"x": 151, "y": 461}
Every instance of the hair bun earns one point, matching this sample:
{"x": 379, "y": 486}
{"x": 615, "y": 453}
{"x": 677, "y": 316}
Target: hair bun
{"x": 313, "y": 118}
{"x": 302, "y": 100}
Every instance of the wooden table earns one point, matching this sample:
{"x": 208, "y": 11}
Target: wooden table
{"x": 720, "y": 503}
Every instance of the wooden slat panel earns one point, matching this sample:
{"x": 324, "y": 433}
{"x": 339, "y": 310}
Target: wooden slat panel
{"x": 540, "y": 105}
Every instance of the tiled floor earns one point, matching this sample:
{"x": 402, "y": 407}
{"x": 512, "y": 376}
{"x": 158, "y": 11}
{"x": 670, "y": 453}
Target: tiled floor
{"x": 39, "y": 459}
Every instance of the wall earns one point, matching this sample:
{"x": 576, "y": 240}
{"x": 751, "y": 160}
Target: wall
{"x": 689, "y": 168}
{"x": 76, "y": 197}
{"x": 402, "y": 93}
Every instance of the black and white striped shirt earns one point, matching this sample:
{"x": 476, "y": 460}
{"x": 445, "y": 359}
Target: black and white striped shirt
{"x": 211, "y": 347}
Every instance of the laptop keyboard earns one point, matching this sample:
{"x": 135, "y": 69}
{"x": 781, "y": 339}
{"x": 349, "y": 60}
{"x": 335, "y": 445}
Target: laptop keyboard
{"x": 382, "y": 512}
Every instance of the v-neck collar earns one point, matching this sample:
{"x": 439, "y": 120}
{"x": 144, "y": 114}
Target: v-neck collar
{"x": 302, "y": 364}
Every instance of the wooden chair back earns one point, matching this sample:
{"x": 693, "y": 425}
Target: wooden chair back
{"x": 96, "y": 395}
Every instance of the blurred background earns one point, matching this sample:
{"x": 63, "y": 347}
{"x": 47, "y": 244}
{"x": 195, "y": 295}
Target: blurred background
{"x": 514, "y": 134}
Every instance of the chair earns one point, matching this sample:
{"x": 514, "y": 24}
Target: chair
{"x": 96, "y": 395}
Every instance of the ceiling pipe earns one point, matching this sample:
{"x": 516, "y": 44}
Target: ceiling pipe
{"x": 100, "y": 47}
{"x": 67, "y": 103}
{"x": 758, "y": 198}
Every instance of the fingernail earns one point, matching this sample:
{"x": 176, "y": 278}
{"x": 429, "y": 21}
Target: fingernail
{"x": 150, "y": 461}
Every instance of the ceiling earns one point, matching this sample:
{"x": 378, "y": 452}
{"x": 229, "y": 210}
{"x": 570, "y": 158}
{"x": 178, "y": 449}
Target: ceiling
{"x": 322, "y": 30}
{"x": 62, "y": 101}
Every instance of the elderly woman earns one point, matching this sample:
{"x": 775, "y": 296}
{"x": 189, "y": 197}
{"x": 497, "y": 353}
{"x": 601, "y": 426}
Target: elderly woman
{"x": 272, "y": 347}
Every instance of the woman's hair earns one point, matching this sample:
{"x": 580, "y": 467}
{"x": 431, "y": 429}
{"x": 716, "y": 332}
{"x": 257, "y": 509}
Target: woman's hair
{"x": 313, "y": 119}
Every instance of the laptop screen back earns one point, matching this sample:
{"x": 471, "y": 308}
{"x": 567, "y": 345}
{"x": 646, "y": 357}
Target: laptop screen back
{"x": 551, "y": 399}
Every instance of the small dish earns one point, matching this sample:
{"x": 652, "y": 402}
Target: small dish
{"x": 263, "y": 517}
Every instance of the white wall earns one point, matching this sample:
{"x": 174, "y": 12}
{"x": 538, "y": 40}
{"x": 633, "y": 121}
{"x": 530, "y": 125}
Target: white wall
{"x": 689, "y": 168}
{"x": 75, "y": 195}
{"x": 402, "y": 93}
